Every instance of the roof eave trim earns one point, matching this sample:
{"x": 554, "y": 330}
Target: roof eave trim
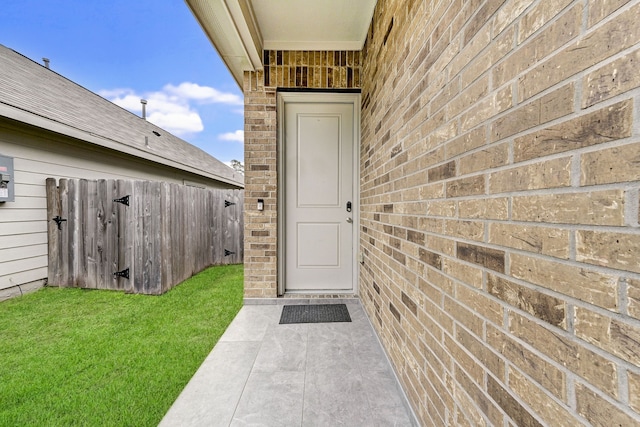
{"x": 232, "y": 28}
{"x": 247, "y": 28}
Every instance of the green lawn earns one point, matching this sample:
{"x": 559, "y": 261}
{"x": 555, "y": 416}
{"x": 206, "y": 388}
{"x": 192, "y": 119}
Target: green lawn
{"x": 104, "y": 358}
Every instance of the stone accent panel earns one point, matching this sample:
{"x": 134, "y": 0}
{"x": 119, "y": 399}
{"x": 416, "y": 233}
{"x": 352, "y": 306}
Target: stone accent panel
{"x": 311, "y": 69}
{"x": 500, "y": 212}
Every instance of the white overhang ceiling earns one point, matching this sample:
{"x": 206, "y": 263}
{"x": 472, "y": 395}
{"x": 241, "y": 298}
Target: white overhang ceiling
{"x": 241, "y": 29}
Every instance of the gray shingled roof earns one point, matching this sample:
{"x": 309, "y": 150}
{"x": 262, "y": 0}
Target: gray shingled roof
{"x": 34, "y": 94}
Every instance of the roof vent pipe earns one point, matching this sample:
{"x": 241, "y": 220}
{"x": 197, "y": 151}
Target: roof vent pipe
{"x": 46, "y": 62}
{"x": 144, "y": 108}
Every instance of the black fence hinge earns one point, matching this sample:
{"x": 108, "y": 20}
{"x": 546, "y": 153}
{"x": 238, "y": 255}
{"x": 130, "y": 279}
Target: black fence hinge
{"x": 58, "y": 220}
{"x": 228, "y": 203}
{"x": 228, "y": 252}
{"x": 124, "y": 200}
{"x": 124, "y": 273}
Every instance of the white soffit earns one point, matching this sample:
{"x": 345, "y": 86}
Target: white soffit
{"x": 241, "y": 29}
{"x": 313, "y": 24}
{"x": 232, "y": 29}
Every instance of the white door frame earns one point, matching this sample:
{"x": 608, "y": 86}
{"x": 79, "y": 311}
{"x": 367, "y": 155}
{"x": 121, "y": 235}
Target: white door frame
{"x": 317, "y": 97}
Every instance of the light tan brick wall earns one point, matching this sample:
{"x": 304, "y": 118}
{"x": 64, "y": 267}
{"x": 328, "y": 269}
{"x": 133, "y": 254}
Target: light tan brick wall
{"x": 260, "y": 229}
{"x": 500, "y": 180}
{"x": 282, "y": 69}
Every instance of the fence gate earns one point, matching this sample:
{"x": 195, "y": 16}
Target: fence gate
{"x": 139, "y": 236}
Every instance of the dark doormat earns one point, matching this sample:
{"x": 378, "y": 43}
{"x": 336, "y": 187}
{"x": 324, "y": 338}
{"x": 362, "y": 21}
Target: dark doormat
{"x": 314, "y": 313}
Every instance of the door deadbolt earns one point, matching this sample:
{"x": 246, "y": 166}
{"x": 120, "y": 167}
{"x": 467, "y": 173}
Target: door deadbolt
{"x": 348, "y": 206}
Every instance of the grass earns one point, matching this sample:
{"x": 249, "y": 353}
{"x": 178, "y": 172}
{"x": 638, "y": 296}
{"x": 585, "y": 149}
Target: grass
{"x": 103, "y": 358}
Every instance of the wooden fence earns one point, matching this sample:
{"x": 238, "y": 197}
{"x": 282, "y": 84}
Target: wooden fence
{"x": 139, "y": 236}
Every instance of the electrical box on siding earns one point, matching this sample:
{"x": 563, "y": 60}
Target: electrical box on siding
{"x": 7, "y": 176}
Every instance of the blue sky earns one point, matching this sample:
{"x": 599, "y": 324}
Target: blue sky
{"x": 125, "y": 50}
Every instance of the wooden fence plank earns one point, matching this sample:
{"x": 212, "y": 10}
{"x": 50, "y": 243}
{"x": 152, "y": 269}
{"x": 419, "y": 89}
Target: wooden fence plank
{"x": 146, "y": 237}
{"x": 74, "y": 224}
{"x": 165, "y": 236}
{"x": 126, "y": 235}
{"x": 237, "y": 246}
{"x": 74, "y": 231}
{"x": 210, "y": 230}
{"x": 82, "y": 212}
{"x": 64, "y": 234}
{"x": 228, "y": 227}
{"x": 107, "y": 229}
{"x": 203, "y": 241}
{"x": 138, "y": 203}
{"x": 227, "y": 224}
{"x": 91, "y": 246}
{"x": 154, "y": 240}
{"x": 101, "y": 234}
{"x": 194, "y": 228}
{"x": 216, "y": 224}
{"x": 196, "y": 241}
{"x": 176, "y": 213}
{"x": 235, "y": 229}
{"x": 53, "y": 234}
{"x": 240, "y": 235}
{"x": 201, "y": 230}
{"x": 120, "y": 211}
{"x": 112, "y": 235}
{"x": 184, "y": 233}
{"x": 190, "y": 242}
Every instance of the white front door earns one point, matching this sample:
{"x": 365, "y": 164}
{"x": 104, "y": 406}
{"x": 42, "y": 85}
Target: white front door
{"x": 319, "y": 203}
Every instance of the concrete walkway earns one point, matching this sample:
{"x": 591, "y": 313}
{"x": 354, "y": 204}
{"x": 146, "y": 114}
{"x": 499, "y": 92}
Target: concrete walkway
{"x": 264, "y": 374}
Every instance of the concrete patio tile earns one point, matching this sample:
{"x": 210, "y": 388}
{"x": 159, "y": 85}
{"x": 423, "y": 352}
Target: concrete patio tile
{"x": 284, "y": 348}
{"x": 332, "y": 355}
{"x": 387, "y": 407}
{"x": 252, "y": 323}
{"x": 370, "y": 356}
{"x": 271, "y": 399}
{"x": 210, "y": 398}
{"x": 386, "y": 417}
{"x": 335, "y": 397}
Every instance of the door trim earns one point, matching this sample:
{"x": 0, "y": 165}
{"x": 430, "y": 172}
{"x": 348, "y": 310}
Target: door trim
{"x": 317, "y": 97}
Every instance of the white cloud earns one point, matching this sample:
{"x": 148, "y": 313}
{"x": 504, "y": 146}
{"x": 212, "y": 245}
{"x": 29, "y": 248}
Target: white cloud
{"x": 171, "y": 108}
{"x": 177, "y": 124}
{"x": 237, "y": 136}
{"x": 203, "y": 93}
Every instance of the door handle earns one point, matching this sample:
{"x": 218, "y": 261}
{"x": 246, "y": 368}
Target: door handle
{"x": 349, "y": 220}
